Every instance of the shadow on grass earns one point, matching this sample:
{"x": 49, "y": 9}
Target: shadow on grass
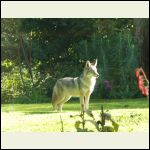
{"x": 118, "y": 106}
{"x": 39, "y": 112}
{"x": 65, "y": 110}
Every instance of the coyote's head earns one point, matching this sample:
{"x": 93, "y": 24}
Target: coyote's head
{"x": 90, "y": 69}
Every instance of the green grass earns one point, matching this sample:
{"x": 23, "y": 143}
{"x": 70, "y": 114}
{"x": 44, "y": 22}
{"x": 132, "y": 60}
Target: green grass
{"x": 131, "y": 114}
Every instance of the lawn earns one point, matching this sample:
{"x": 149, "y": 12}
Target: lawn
{"x": 131, "y": 114}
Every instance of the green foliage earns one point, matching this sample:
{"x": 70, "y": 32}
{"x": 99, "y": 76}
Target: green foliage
{"x": 117, "y": 59}
{"x": 11, "y": 85}
{"x": 14, "y": 91}
{"x": 37, "y": 52}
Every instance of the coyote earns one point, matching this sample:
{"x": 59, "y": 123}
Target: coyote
{"x": 82, "y": 87}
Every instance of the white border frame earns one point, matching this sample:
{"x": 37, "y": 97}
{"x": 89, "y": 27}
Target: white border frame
{"x": 75, "y": 9}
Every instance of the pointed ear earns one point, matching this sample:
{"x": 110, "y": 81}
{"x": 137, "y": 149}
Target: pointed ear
{"x": 95, "y": 63}
{"x": 88, "y": 64}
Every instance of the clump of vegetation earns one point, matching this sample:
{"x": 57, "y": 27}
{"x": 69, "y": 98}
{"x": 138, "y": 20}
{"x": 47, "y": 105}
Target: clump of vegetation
{"x": 143, "y": 82}
{"x": 99, "y": 124}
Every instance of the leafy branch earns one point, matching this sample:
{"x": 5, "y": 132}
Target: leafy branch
{"x": 99, "y": 125}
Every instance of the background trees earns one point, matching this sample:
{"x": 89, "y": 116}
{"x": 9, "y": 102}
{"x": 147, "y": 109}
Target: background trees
{"x": 36, "y": 52}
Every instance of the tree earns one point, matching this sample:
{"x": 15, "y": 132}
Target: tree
{"x": 142, "y": 39}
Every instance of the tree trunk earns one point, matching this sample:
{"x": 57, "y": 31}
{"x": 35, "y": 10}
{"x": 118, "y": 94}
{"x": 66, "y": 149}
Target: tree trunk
{"x": 26, "y": 59}
{"x": 20, "y": 70}
{"x": 142, "y": 38}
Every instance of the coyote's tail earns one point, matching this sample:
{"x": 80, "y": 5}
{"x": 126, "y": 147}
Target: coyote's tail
{"x": 53, "y": 96}
{"x": 54, "y": 100}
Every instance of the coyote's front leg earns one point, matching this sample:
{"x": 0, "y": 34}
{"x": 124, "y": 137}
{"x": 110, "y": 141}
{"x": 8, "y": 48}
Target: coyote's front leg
{"x": 82, "y": 102}
{"x": 87, "y": 98}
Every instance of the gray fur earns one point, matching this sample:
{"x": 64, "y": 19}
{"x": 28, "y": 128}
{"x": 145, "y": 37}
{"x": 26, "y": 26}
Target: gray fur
{"x": 82, "y": 87}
